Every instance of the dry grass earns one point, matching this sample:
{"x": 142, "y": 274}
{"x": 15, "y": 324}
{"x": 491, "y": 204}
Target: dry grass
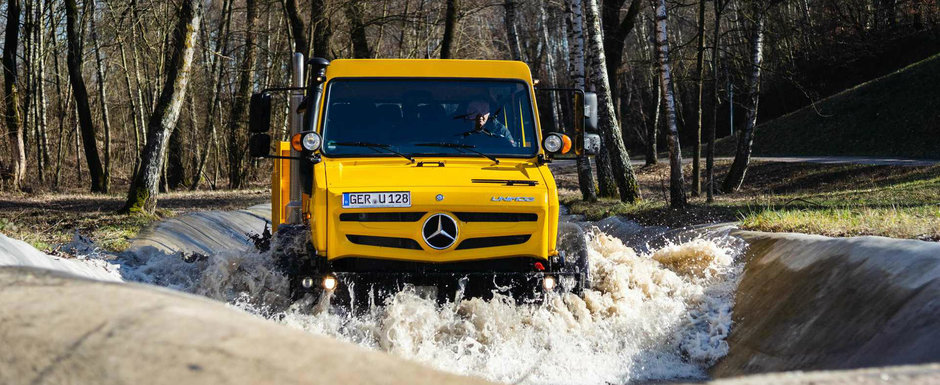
{"x": 48, "y": 220}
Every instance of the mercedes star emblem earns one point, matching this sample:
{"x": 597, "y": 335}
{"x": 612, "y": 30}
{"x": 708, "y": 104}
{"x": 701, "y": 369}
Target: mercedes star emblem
{"x": 439, "y": 231}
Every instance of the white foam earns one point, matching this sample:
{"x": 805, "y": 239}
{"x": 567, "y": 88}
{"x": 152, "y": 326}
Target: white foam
{"x": 14, "y": 252}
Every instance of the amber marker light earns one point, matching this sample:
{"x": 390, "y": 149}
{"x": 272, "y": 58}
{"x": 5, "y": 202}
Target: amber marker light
{"x": 295, "y": 142}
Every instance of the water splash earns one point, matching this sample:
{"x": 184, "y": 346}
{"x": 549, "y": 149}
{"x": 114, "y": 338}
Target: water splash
{"x": 660, "y": 315}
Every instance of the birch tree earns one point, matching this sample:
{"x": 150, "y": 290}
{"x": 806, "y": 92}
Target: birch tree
{"x": 677, "y": 197}
{"x": 86, "y": 123}
{"x": 610, "y": 128}
{"x": 11, "y": 93}
{"x": 142, "y": 195}
{"x": 576, "y": 60}
{"x": 742, "y": 155}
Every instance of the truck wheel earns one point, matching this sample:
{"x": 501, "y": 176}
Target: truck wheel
{"x": 573, "y": 254}
{"x": 290, "y": 257}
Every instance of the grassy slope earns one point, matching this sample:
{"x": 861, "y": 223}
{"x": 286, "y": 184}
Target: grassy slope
{"x": 897, "y": 115}
{"x": 834, "y": 200}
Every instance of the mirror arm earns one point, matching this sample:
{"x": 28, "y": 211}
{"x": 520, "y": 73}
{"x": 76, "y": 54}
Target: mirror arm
{"x": 314, "y": 159}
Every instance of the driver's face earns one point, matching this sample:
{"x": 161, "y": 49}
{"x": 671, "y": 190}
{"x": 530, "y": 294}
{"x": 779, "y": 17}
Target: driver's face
{"x": 480, "y": 112}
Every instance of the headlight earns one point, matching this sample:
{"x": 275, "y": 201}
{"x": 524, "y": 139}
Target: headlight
{"x": 329, "y": 283}
{"x": 311, "y": 141}
{"x": 552, "y": 143}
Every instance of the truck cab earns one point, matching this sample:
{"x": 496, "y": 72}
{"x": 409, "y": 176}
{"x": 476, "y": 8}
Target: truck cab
{"x": 419, "y": 172}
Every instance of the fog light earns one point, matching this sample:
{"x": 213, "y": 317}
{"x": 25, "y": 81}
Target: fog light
{"x": 548, "y": 283}
{"x": 329, "y": 282}
{"x": 307, "y": 282}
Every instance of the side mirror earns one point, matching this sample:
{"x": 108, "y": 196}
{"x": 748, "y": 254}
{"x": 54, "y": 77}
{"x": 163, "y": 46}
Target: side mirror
{"x": 590, "y": 111}
{"x": 259, "y": 113}
{"x": 259, "y": 145}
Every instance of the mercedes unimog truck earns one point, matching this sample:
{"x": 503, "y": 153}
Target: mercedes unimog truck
{"x": 430, "y": 173}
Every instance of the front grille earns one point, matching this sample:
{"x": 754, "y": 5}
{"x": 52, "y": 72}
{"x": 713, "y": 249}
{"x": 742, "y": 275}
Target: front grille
{"x": 381, "y": 217}
{"x": 497, "y": 217}
{"x": 506, "y": 240}
{"x": 398, "y": 243}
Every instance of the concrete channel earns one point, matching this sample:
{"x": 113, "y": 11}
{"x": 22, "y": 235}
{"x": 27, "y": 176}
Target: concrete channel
{"x": 808, "y": 309}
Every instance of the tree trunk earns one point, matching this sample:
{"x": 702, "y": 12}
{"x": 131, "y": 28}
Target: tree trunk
{"x": 321, "y": 30}
{"x": 214, "y": 71}
{"x": 357, "y": 32}
{"x": 742, "y": 155}
{"x": 42, "y": 143}
{"x": 576, "y": 60}
{"x": 142, "y": 195}
{"x": 297, "y": 28}
{"x": 102, "y": 94}
{"x": 652, "y": 156}
{"x": 610, "y": 129}
{"x": 450, "y": 26}
{"x": 11, "y": 94}
{"x": 74, "y": 59}
{"x": 710, "y": 151}
{"x": 616, "y": 32}
{"x": 677, "y": 198}
{"x": 700, "y": 87}
{"x": 239, "y": 113}
{"x": 512, "y": 36}
{"x": 606, "y": 181}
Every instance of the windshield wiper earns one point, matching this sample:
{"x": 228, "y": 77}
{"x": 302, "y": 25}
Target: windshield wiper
{"x": 374, "y": 146}
{"x": 468, "y": 147}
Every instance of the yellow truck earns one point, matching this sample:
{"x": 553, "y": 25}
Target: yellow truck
{"x": 430, "y": 173}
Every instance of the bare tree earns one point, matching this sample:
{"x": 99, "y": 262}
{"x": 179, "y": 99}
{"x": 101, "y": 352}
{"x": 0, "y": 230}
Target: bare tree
{"x": 297, "y": 27}
{"x": 11, "y": 93}
{"x": 512, "y": 36}
{"x": 85, "y": 122}
{"x": 742, "y": 155}
{"x": 321, "y": 29}
{"x": 357, "y": 32}
{"x": 142, "y": 195}
{"x": 710, "y": 151}
{"x": 102, "y": 92}
{"x": 576, "y": 60}
{"x": 700, "y": 86}
{"x": 677, "y": 196}
{"x": 450, "y": 26}
{"x": 610, "y": 128}
{"x": 239, "y": 112}
{"x": 616, "y": 31}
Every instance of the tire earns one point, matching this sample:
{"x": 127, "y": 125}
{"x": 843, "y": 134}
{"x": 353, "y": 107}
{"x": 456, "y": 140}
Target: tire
{"x": 573, "y": 254}
{"x": 291, "y": 257}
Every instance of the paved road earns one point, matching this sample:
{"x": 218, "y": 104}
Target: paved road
{"x": 807, "y": 159}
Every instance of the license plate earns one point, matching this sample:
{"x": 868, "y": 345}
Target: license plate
{"x": 377, "y": 199}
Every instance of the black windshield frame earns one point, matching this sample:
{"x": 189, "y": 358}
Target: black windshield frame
{"x": 531, "y": 109}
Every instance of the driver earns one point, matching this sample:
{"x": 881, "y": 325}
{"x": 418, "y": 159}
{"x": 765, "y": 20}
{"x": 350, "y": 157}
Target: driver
{"x": 479, "y": 111}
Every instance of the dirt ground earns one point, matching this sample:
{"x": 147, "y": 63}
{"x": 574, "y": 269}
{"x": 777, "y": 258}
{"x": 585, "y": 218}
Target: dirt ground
{"x": 47, "y": 220}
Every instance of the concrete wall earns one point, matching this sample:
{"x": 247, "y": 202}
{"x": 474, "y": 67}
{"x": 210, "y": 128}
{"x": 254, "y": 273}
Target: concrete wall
{"x": 811, "y": 302}
{"x": 59, "y": 329}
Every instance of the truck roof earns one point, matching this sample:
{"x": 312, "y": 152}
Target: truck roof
{"x": 431, "y": 68}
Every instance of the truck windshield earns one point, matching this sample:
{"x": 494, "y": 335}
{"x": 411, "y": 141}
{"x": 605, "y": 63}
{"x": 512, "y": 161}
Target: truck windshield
{"x": 492, "y": 117}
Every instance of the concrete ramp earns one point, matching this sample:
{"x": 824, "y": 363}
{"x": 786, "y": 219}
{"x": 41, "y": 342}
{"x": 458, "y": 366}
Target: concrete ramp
{"x": 59, "y": 329}
{"x": 203, "y": 232}
{"x": 810, "y": 302}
